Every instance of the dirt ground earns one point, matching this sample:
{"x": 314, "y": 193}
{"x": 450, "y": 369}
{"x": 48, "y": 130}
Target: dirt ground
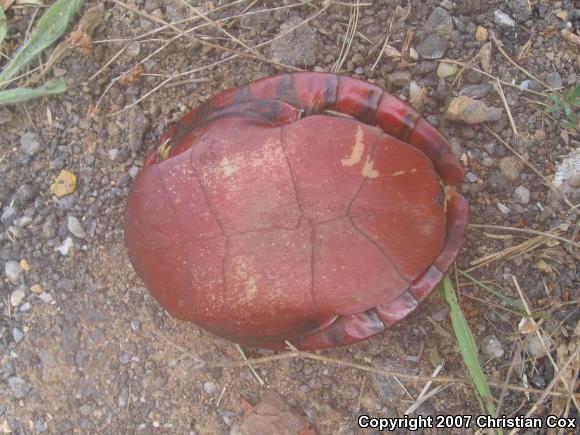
{"x": 85, "y": 349}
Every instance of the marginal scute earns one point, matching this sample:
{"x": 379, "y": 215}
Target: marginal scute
{"x": 269, "y": 218}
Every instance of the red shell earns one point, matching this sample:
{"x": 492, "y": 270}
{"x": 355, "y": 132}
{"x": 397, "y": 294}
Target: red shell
{"x": 277, "y": 218}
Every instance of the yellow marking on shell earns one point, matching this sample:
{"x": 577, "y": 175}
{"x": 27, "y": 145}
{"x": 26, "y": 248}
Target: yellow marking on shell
{"x": 247, "y": 279}
{"x": 357, "y": 150}
{"x": 398, "y": 173}
{"x": 165, "y": 148}
{"x": 368, "y": 170}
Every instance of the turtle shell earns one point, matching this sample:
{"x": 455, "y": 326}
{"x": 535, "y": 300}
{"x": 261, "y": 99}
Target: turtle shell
{"x": 310, "y": 208}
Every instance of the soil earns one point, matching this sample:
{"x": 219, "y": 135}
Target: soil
{"x": 85, "y": 349}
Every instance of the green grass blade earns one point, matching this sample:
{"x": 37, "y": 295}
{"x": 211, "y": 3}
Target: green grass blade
{"x": 467, "y": 345}
{"x": 3, "y": 26}
{"x": 19, "y": 95}
{"x": 514, "y": 303}
{"x": 51, "y": 26}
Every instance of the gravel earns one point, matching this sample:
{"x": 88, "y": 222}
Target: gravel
{"x": 209, "y": 387}
{"x": 492, "y": 347}
{"x": 522, "y": 195}
{"x": 511, "y": 167}
{"x": 440, "y": 22}
{"x": 17, "y": 296}
{"x": 554, "y": 80}
{"x": 17, "y": 335}
{"x": 83, "y": 346}
{"x": 503, "y": 21}
{"x": 30, "y": 143}
{"x": 520, "y": 9}
{"x": 13, "y": 271}
{"x": 476, "y": 91}
{"x": 75, "y": 227}
{"x": 18, "y": 387}
{"x": 536, "y": 348}
{"x": 298, "y": 48}
{"x": 400, "y": 78}
{"x": 433, "y": 47}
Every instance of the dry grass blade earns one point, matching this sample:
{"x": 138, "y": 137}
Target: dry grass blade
{"x": 221, "y": 29}
{"x": 526, "y": 231}
{"x": 561, "y": 406}
{"x": 423, "y": 396}
{"x": 227, "y": 59}
{"x": 544, "y": 179}
{"x": 499, "y": 46}
{"x": 511, "y": 302}
{"x": 252, "y": 369}
{"x": 524, "y": 51}
{"x": 491, "y": 76}
{"x": 550, "y": 387}
{"x": 541, "y": 338}
{"x": 513, "y": 251}
{"x": 349, "y": 37}
{"x": 403, "y": 14}
{"x": 87, "y": 25}
{"x": 295, "y": 353}
{"x": 499, "y": 90}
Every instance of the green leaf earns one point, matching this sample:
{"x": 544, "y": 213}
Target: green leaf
{"x": 19, "y": 95}
{"x": 51, "y": 27}
{"x": 467, "y": 345}
{"x": 556, "y": 99}
{"x": 3, "y": 25}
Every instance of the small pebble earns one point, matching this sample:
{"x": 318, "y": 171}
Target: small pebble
{"x": 75, "y": 227}
{"x": 400, "y": 78}
{"x": 481, "y": 34}
{"x": 433, "y": 47}
{"x": 446, "y": 69}
{"x": 18, "y": 387}
{"x": 17, "y": 297}
{"x": 209, "y": 387}
{"x": 471, "y": 177}
{"x": 13, "y": 271}
{"x": 133, "y": 49}
{"x": 133, "y": 171}
{"x": 504, "y": 209}
{"x": 65, "y": 247}
{"x": 17, "y": 335}
{"x": 535, "y": 348}
{"x": 511, "y": 167}
{"x": 492, "y": 347}
{"x": 45, "y": 297}
{"x": 369, "y": 402}
{"x": 503, "y": 21}
{"x": 522, "y": 195}
{"x": 538, "y": 382}
{"x": 439, "y": 21}
{"x": 554, "y": 80}
{"x": 472, "y": 111}
{"x": 30, "y": 143}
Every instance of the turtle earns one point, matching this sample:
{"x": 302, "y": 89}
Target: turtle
{"x": 305, "y": 209}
